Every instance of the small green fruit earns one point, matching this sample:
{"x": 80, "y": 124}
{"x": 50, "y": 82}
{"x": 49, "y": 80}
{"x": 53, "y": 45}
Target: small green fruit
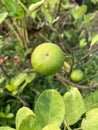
{"x": 47, "y": 58}
{"x": 76, "y": 75}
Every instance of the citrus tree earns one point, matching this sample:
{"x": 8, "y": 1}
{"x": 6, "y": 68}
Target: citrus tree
{"x": 47, "y": 46}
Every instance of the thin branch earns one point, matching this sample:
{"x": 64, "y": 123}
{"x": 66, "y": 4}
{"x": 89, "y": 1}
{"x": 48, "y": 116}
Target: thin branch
{"x": 72, "y": 64}
{"x": 88, "y": 54}
{"x": 4, "y": 71}
{"x": 59, "y": 6}
{"x": 67, "y": 81}
{"x": 17, "y": 97}
{"x": 21, "y": 100}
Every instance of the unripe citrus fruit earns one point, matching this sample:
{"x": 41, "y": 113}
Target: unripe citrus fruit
{"x": 76, "y": 75}
{"x": 47, "y": 58}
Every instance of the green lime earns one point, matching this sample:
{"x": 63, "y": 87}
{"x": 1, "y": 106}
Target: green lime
{"x": 47, "y": 58}
{"x": 76, "y": 75}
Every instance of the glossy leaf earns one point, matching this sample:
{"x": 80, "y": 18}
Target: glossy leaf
{"x": 51, "y": 4}
{"x": 11, "y": 6}
{"x": 34, "y": 6}
{"x": 91, "y": 120}
{"x": 29, "y": 123}
{"x": 82, "y": 43}
{"x": 6, "y": 128}
{"x": 18, "y": 79}
{"x": 48, "y": 8}
{"x": 51, "y": 127}
{"x": 49, "y": 108}
{"x": 3, "y": 16}
{"x": 7, "y": 108}
{"x": 14, "y": 9}
{"x": 79, "y": 11}
{"x": 28, "y": 79}
{"x": 4, "y": 115}
{"x": 10, "y": 87}
{"x": 94, "y": 40}
{"x": 91, "y": 100}
{"x": 22, "y": 114}
{"x": 74, "y": 106}
{"x": 15, "y": 82}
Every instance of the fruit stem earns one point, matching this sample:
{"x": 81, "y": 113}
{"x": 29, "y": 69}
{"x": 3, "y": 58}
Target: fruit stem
{"x": 67, "y": 125}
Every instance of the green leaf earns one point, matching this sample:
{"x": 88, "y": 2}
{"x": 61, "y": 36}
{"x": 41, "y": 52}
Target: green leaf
{"x": 22, "y": 114}
{"x": 91, "y": 100}
{"x": 14, "y": 9}
{"x": 50, "y": 108}
{"x": 9, "y": 115}
{"x": 78, "y": 12}
{"x": 51, "y": 4}
{"x": 94, "y": 1}
{"x": 29, "y": 123}
{"x": 48, "y": 9}
{"x": 7, "y": 108}
{"x": 74, "y": 106}
{"x": 34, "y": 6}
{"x": 94, "y": 40}
{"x": 10, "y": 87}
{"x": 18, "y": 80}
{"x": 4, "y": 115}
{"x": 48, "y": 16}
{"x": 11, "y": 6}
{"x": 15, "y": 82}
{"x": 82, "y": 43}
{"x": 91, "y": 120}
{"x": 51, "y": 127}
{"x": 2, "y": 79}
{"x": 28, "y": 79}
{"x": 3, "y": 16}
{"x": 6, "y": 128}
{"x": 21, "y": 80}
{"x": 88, "y": 18}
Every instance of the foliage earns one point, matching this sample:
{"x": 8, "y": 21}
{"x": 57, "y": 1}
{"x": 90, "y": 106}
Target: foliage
{"x": 73, "y": 112}
{"x": 24, "y": 24}
{"x": 88, "y": 123}
{"x": 52, "y": 110}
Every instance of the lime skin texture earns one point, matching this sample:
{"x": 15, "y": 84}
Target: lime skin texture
{"x": 47, "y": 58}
{"x": 77, "y": 75}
